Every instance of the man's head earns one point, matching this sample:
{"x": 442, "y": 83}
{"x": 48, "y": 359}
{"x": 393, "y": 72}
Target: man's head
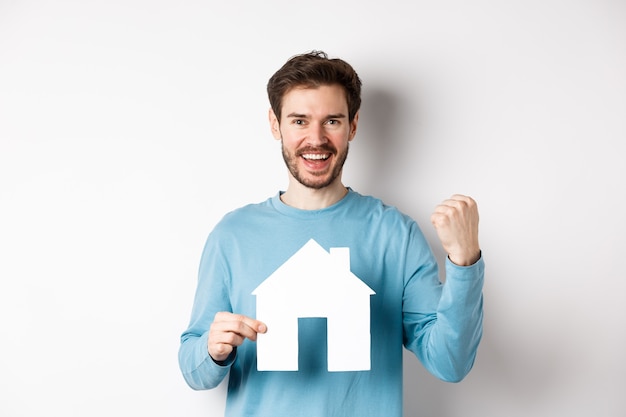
{"x": 314, "y": 113}
{"x": 311, "y": 70}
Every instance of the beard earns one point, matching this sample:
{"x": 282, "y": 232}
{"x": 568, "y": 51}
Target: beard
{"x": 319, "y": 180}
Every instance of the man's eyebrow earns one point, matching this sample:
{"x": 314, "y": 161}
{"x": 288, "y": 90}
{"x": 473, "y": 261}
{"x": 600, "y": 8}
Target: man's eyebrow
{"x": 297, "y": 115}
{"x": 304, "y": 116}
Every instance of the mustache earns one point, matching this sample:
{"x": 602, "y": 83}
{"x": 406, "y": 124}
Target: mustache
{"x": 317, "y": 149}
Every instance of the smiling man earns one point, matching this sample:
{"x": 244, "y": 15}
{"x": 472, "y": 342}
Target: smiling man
{"x": 314, "y": 112}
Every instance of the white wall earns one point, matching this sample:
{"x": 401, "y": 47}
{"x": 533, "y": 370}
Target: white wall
{"x": 129, "y": 127}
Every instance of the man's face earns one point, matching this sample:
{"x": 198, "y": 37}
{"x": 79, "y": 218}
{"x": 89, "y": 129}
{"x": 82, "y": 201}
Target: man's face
{"x": 315, "y": 133}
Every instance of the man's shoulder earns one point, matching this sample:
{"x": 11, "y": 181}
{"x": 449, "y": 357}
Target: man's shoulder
{"x": 247, "y": 211}
{"x": 376, "y": 205}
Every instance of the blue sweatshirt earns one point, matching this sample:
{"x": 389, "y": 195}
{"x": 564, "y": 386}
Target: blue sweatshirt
{"x": 440, "y": 323}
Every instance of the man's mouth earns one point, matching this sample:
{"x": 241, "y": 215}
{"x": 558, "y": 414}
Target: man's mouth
{"x": 316, "y": 156}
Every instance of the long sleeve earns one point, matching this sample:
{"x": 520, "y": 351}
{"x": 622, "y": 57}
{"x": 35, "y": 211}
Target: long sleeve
{"x": 197, "y": 367}
{"x": 444, "y": 329}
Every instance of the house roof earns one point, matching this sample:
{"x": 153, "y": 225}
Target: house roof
{"x": 314, "y": 270}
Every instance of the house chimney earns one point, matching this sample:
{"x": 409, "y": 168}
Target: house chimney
{"x": 341, "y": 257}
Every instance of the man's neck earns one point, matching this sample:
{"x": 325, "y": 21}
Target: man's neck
{"x": 304, "y": 198}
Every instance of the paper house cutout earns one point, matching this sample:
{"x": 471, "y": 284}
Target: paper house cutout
{"x": 314, "y": 283}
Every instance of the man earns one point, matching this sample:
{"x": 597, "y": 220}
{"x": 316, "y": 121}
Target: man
{"x": 314, "y": 113}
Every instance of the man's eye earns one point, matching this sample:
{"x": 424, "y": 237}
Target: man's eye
{"x": 332, "y": 122}
{"x": 298, "y": 121}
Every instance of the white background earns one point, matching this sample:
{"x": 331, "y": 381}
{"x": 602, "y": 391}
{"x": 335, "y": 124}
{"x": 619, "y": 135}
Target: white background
{"x": 128, "y": 128}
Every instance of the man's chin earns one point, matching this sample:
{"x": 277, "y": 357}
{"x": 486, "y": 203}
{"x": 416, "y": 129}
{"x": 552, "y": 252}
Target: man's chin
{"x": 316, "y": 182}
{"x": 316, "y": 185}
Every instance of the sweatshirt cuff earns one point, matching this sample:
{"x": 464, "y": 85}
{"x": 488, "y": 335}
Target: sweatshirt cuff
{"x": 476, "y": 270}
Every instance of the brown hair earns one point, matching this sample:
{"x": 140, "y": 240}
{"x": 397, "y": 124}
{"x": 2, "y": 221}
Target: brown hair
{"x": 314, "y": 69}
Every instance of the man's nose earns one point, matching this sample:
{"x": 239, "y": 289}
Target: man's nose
{"x": 317, "y": 135}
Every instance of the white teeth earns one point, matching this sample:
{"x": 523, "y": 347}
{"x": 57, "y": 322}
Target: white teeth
{"x": 315, "y": 156}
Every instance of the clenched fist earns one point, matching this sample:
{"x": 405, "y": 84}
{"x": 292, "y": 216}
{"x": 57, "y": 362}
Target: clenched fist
{"x": 456, "y": 223}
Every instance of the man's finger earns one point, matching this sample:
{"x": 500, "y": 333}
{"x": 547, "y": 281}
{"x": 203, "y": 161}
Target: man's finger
{"x": 239, "y": 324}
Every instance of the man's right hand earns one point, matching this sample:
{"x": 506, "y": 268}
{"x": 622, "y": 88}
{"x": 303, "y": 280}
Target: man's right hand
{"x": 229, "y": 330}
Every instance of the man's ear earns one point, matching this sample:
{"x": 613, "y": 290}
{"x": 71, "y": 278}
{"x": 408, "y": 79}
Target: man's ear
{"x": 274, "y": 125}
{"x": 353, "y": 126}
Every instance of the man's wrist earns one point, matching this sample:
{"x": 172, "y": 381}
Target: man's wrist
{"x": 465, "y": 260}
{"x": 229, "y": 359}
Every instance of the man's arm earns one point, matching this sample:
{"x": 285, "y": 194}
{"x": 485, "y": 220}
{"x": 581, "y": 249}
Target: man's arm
{"x": 443, "y": 323}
